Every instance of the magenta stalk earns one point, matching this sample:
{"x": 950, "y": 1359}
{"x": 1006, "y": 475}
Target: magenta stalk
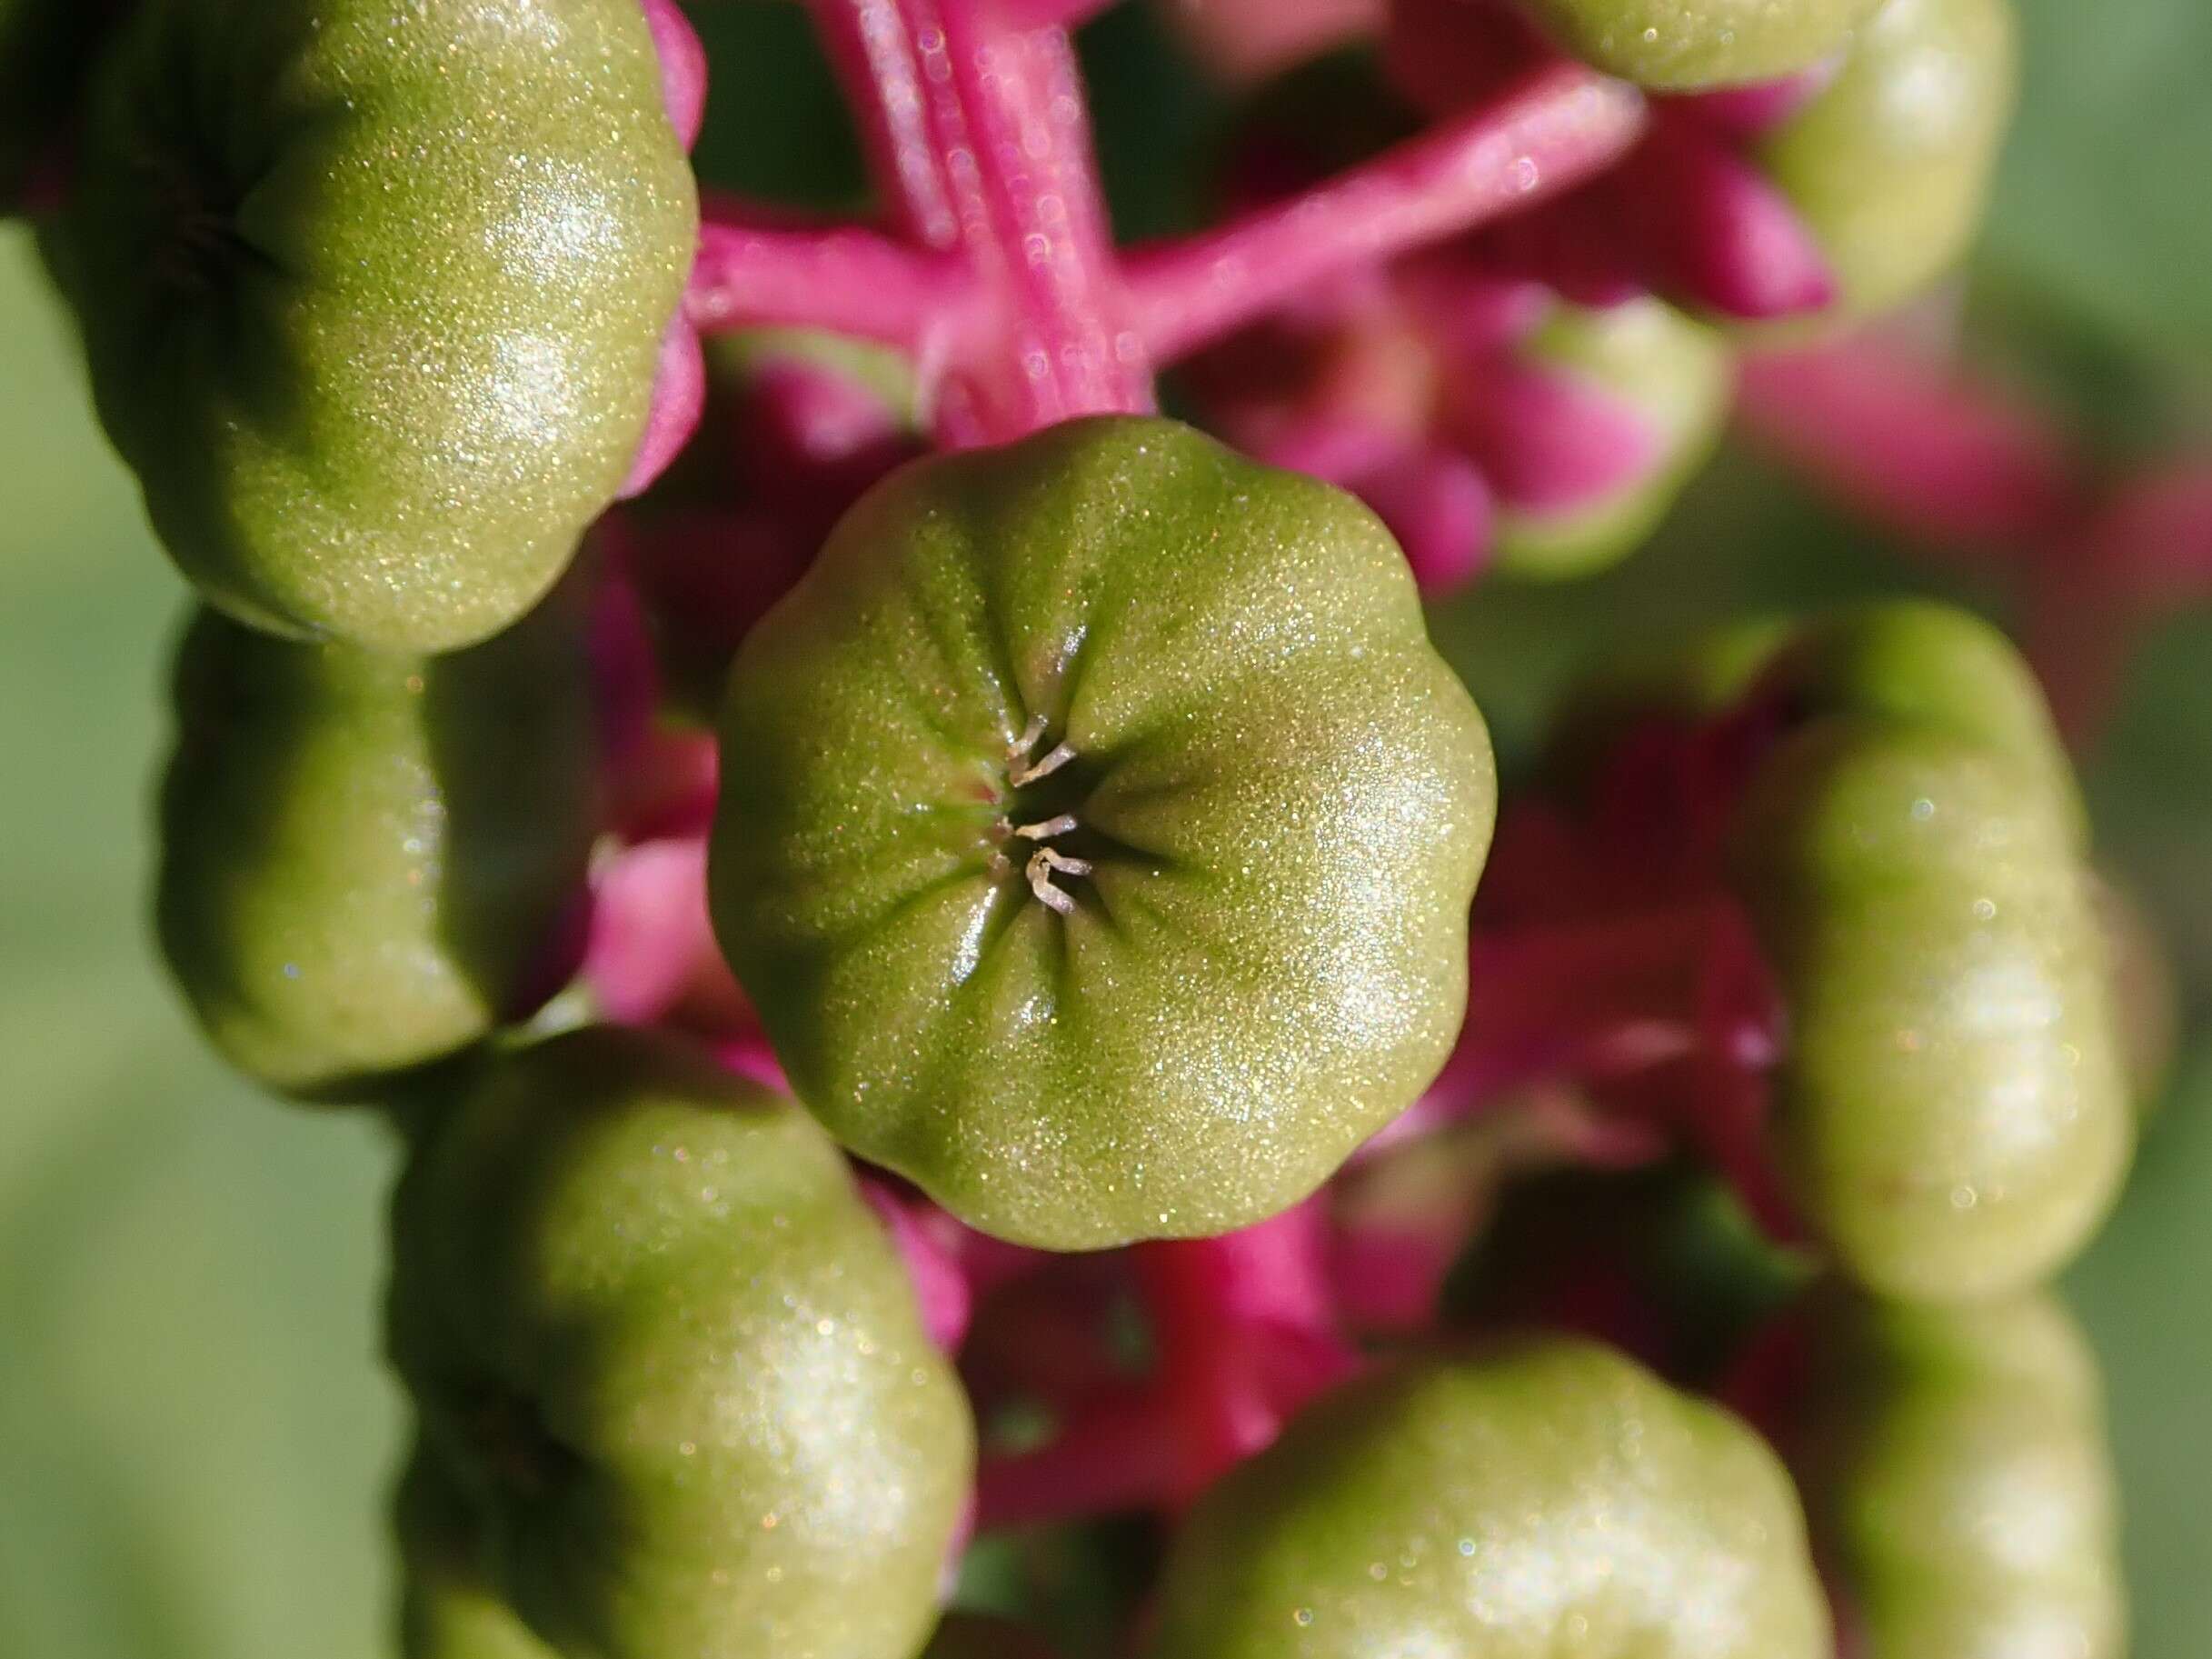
{"x": 843, "y": 278}
{"x": 1557, "y": 129}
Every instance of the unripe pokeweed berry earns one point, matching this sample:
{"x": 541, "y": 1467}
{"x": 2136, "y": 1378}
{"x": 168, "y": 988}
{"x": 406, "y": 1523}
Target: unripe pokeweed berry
{"x": 668, "y": 1352}
{"x": 1931, "y": 664}
{"x": 1890, "y": 165}
{"x": 1959, "y": 1482}
{"x": 369, "y": 861}
{"x": 1550, "y": 1499}
{"x": 447, "y": 1610}
{"x": 1951, "y": 1113}
{"x": 1097, "y": 833}
{"x": 1683, "y": 44}
{"x": 1669, "y": 378}
{"x": 373, "y": 297}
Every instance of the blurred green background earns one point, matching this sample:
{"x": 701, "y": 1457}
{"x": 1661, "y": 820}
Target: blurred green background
{"x": 194, "y": 1433}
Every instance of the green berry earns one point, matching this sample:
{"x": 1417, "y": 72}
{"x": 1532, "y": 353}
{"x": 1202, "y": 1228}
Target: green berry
{"x": 1958, "y": 1481}
{"x": 374, "y": 296}
{"x": 1097, "y": 833}
{"x": 1549, "y": 1501}
{"x": 1951, "y": 1113}
{"x": 1684, "y": 45}
{"x": 669, "y": 1354}
{"x": 1932, "y": 665}
{"x": 1890, "y": 165}
{"x": 447, "y": 1611}
{"x": 1676, "y": 377}
{"x": 368, "y": 862}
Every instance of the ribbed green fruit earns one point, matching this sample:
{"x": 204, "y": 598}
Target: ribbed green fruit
{"x": 1959, "y": 1484}
{"x": 1549, "y": 1501}
{"x": 368, "y": 862}
{"x": 1098, "y": 827}
{"x": 373, "y": 296}
{"x": 1951, "y": 1113}
{"x": 662, "y": 1346}
{"x": 1890, "y": 165}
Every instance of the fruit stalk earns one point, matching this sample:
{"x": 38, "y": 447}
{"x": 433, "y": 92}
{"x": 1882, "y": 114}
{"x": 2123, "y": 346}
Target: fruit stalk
{"x": 846, "y": 278}
{"x": 976, "y": 128}
{"x": 1552, "y": 131}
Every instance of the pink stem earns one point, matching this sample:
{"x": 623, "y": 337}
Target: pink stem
{"x": 1123, "y": 1454}
{"x": 876, "y": 57}
{"x": 1556, "y": 128}
{"x": 975, "y": 125}
{"x": 843, "y": 278}
{"x": 1007, "y": 114}
{"x": 1914, "y": 445}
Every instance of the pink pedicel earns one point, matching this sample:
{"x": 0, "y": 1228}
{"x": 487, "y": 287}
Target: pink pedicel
{"x": 941, "y": 1286}
{"x": 679, "y": 387}
{"x": 684, "y": 68}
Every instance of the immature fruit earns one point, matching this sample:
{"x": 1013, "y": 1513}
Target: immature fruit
{"x": 1687, "y": 43}
{"x": 1959, "y": 1486}
{"x": 447, "y": 1611}
{"x": 1933, "y": 665}
{"x": 1097, "y": 834}
{"x": 373, "y": 296}
{"x": 1951, "y": 1113}
{"x": 1890, "y": 165}
{"x": 1550, "y": 1501}
{"x": 1663, "y": 380}
{"x": 664, "y": 1346}
{"x": 368, "y": 861}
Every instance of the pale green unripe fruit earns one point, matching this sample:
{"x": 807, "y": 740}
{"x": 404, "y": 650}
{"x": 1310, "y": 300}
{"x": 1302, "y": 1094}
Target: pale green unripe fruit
{"x": 1097, "y": 832}
{"x": 1684, "y": 45}
{"x": 373, "y": 296}
{"x": 1951, "y": 1113}
{"x": 1676, "y": 376}
{"x": 1932, "y": 665}
{"x": 368, "y": 861}
{"x": 671, "y": 1358}
{"x": 1548, "y": 1500}
{"x": 1890, "y": 165}
{"x": 1959, "y": 1484}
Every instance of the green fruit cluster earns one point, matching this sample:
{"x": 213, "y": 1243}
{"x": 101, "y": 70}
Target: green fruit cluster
{"x": 374, "y": 300}
{"x": 1097, "y": 834}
